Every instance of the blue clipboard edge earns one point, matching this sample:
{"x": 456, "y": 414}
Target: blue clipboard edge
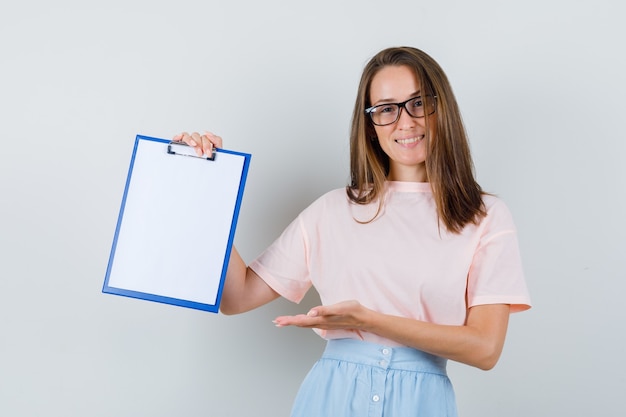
{"x": 213, "y": 308}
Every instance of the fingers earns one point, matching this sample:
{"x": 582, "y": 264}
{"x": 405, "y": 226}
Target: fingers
{"x": 216, "y": 140}
{"x": 300, "y": 320}
{"x": 339, "y": 309}
{"x": 314, "y": 312}
{"x": 202, "y": 144}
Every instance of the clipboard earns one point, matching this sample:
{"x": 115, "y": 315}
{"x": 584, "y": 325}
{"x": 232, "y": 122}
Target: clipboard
{"x": 176, "y": 224}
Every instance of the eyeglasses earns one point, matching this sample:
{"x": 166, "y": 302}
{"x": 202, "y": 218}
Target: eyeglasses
{"x": 388, "y": 113}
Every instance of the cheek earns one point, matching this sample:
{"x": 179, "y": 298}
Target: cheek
{"x": 382, "y": 132}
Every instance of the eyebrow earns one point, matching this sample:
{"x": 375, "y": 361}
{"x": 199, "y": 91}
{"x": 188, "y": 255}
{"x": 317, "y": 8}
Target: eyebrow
{"x": 418, "y": 93}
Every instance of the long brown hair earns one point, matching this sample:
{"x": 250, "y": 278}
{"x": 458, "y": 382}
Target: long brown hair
{"x": 449, "y": 164}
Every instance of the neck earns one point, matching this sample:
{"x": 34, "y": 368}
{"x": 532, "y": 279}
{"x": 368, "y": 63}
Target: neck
{"x": 408, "y": 173}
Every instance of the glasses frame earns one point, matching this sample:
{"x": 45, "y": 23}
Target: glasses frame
{"x": 371, "y": 110}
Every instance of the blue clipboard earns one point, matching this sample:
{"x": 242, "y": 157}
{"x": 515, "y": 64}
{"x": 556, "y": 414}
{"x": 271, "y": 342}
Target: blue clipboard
{"x": 176, "y": 224}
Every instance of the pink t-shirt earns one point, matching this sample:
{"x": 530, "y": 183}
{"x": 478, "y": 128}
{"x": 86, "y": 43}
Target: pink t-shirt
{"x": 402, "y": 263}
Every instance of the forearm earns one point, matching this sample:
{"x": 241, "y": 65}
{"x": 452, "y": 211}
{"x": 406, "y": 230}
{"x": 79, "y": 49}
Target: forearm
{"x": 477, "y": 343}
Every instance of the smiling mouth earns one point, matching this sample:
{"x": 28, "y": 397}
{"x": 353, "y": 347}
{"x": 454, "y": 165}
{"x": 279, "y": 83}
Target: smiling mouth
{"x": 409, "y": 140}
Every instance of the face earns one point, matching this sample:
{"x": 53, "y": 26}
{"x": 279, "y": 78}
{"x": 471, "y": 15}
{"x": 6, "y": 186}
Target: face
{"x": 403, "y": 141}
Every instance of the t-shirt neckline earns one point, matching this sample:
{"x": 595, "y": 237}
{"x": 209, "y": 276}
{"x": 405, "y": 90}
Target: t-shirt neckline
{"x": 408, "y": 187}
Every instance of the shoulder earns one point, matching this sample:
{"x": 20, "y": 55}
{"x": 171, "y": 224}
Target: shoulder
{"x": 495, "y": 204}
{"x": 326, "y": 207}
{"x": 498, "y": 214}
{"x": 332, "y": 199}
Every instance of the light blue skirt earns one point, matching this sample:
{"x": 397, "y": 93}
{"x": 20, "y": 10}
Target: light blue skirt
{"x": 360, "y": 379}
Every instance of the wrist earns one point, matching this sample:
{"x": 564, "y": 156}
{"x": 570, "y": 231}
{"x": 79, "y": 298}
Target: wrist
{"x": 368, "y": 319}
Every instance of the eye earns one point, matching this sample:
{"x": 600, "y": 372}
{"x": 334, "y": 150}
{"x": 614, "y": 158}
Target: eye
{"x": 417, "y": 102}
{"x": 386, "y": 108}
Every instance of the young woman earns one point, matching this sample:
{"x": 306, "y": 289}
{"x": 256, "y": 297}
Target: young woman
{"x": 413, "y": 262}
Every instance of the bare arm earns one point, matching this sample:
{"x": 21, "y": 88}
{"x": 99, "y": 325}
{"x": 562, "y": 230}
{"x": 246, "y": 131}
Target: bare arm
{"x": 243, "y": 289}
{"x": 478, "y": 343}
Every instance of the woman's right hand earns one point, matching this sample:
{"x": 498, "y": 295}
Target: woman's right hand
{"x": 202, "y": 144}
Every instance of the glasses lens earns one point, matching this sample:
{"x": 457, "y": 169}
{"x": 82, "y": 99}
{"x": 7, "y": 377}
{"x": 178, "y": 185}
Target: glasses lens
{"x": 415, "y": 107}
{"x": 384, "y": 114}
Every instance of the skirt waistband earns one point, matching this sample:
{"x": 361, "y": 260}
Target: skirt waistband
{"x": 386, "y": 357}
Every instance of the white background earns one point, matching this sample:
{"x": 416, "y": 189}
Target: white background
{"x": 541, "y": 86}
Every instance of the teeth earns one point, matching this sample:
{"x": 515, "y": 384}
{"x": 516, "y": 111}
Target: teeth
{"x": 410, "y": 140}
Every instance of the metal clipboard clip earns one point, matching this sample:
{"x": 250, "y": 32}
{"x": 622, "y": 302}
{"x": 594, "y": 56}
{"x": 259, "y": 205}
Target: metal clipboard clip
{"x": 182, "y": 149}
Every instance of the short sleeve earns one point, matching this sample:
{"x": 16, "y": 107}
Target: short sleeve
{"x": 284, "y": 264}
{"x": 496, "y": 275}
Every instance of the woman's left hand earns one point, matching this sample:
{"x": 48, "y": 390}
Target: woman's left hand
{"x": 478, "y": 342}
{"x": 346, "y": 315}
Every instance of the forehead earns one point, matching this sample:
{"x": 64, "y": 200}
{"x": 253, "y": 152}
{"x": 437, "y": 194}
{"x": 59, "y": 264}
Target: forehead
{"x": 393, "y": 83}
